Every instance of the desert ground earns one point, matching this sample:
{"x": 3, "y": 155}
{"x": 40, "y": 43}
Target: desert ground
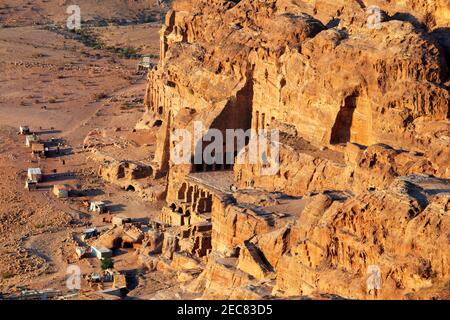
{"x": 63, "y": 89}
{"x": 39, "y": 12}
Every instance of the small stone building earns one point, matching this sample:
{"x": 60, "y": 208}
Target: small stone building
{"x": 30, "y": 139}
{"x": 120, "y": 220}
{"x": 34, "y": 175}
{"x": 97, "y": 206}
{"x": 89, "y": 233}
{"x": 39, "y": 149}
{"x": 24, "y": 130}
{"x": 101, "y": 252}
{"x": 61, "y": 190}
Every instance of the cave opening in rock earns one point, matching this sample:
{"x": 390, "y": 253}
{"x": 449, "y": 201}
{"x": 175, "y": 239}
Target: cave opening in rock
{"x": 131, "y": 188}
{"x": 120, "y": 172}
{"x": 182, "y": 192}
{"x": 341, "y": 131}
{"x": 237, "y": 116}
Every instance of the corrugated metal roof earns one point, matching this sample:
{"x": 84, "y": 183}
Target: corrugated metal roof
{"x": 34, "y": 171}
{"x": 101, "y": 249}
{"x": 98, "y": 203}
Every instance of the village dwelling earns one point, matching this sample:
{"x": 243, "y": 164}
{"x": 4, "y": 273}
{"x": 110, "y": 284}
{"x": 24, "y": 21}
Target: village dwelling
{"x": 34, "y": 175}
{"x": 111, "y": 239}
{"x": 61, "y": 190}
{"x": 30, "y": 185}
{"x": 101, "y": 252}
{"x": 30, "y": 139}
{"x": 24, "y": 130}
{"x": 81, "y": 252}
{"x": 39, "y": 149}
{"x": 95, "y": 277}
{"x": 120, "y": 220}
{"x": 89, "y": 233}
{"x": 98, "y": 207}
{"x": 132, "y": 237}
{"x": 108, "y": 275}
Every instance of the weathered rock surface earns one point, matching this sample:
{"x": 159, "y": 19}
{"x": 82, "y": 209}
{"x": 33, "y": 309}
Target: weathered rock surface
{"x": 363, "y": 115}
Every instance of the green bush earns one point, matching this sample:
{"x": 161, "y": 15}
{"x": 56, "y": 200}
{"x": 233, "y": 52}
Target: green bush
{"x": 107, "y": 263}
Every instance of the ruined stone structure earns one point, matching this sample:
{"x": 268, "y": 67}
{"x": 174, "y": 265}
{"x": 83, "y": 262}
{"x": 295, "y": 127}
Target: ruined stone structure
{"x": 363, "y": 115}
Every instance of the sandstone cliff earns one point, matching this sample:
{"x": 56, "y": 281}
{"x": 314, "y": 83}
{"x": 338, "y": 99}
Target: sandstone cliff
{"x": 363, "y": 115}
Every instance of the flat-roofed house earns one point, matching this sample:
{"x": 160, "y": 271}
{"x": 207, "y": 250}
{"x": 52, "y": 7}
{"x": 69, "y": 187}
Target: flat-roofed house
{"x": 61, "y": 190}
{"x": 30, "y": 139}
{"x": 120, "y": 220}
{"x": 89, "y": 233}
{"x": 97, "y": 206}
{"x": 24, "y": 130}
{"x": 30, "y": 185}
{"x": 39, "y": 149}
{"x": 102, "y": 252}
{"x": 34, "y": 174}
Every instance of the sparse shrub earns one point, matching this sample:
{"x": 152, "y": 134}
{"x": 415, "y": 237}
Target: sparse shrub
{"x": 7, "y": 275}
{"x": 107, "y": 263}
{"x": 100, "y": 96}
{"x": 127, "y": 106}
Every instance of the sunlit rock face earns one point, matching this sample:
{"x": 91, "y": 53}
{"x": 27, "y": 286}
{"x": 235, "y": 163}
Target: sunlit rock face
{"x": 362, "y": 108}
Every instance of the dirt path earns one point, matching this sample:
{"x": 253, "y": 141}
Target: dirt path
{"x": 61, "y": 89}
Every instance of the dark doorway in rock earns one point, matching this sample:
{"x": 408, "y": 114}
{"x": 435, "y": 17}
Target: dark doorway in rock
{"x": 130, "y": 188}
{"x": 341, "y": 131}
{"x": 120, "y": 172}
{"x": 127, "y": 245}
{"x": 157, "y": 123}
{"x": 236, "y": 115}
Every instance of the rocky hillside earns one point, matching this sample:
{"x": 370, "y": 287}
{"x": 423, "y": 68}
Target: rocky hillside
{"x": 363, "y": 112}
